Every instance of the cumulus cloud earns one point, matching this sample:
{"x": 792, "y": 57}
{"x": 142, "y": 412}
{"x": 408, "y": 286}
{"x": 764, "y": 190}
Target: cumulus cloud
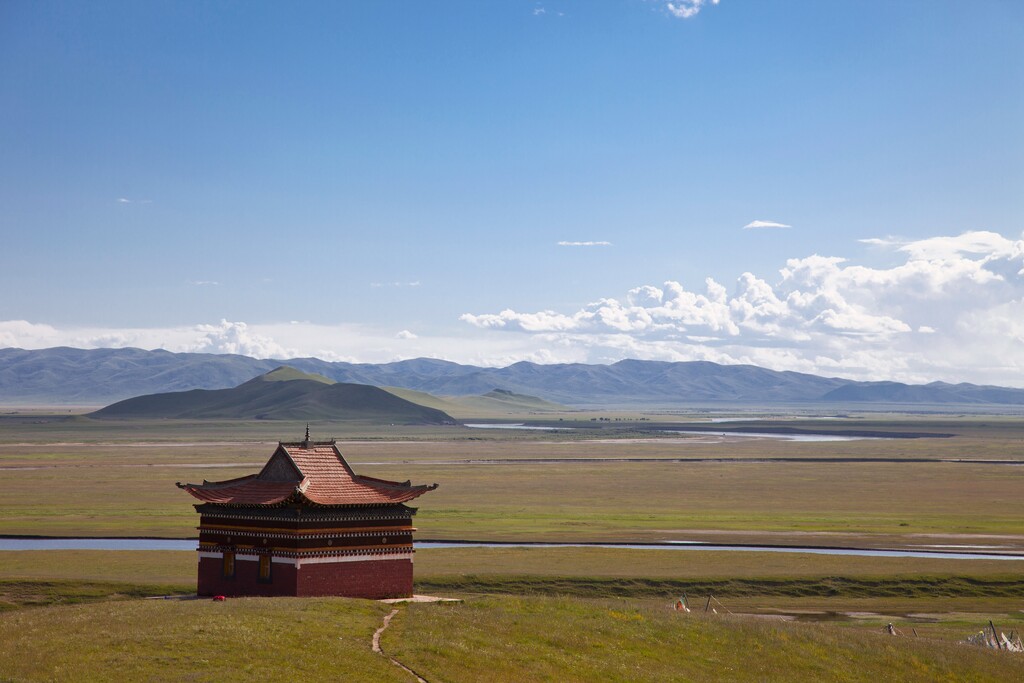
{"x": 348, "y": 342}
{"x": 236, "y": 337}
{"x": 565, "y": 243}
{"x": 685, "y": 9}
{"x": 27, "y": 335}
{"x": 949, "y": 308}
{"x": 224, "y": 337}
{"x": 754, "y": 225}
{"x": 823, "y": 314}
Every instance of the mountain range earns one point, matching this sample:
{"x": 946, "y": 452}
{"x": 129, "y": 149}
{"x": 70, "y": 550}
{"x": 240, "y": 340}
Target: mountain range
{"x": 67, "y": 376}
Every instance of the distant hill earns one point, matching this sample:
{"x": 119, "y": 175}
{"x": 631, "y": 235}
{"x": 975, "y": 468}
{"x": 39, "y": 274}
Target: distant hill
{"x": 509, "y": 400}
{"x": 282, "y": 394}
{"x": 495, "y": 403}
{"x": 65, "y": 376}
{"x": 289, "y": 374}
{"x": 936, "y": 392}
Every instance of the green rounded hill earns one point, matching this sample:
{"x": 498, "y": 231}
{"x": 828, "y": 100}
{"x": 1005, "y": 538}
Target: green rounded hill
{"x": 282, "y": 394}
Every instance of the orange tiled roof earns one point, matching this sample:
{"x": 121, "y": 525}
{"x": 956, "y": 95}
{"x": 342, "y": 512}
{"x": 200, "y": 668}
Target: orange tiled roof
{"x": 306, "y": 472}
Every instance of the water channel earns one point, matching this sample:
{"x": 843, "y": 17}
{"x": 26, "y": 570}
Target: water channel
{"x": 746, "y": 435}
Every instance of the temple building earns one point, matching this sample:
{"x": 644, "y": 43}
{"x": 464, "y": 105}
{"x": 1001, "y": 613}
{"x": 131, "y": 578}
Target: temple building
{"x": 306, "y": 525}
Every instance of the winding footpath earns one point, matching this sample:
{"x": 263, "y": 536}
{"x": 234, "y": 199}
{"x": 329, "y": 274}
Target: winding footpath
{"x": 376, "y": 647}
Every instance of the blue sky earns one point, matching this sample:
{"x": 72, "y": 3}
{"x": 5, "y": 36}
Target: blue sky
{"x": 496, "y": 181}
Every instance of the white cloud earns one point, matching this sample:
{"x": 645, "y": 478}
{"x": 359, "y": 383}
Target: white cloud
{"x": 685, "y": 9}
{"x": 203, "y": 283}
{"x": 881, "y": 241}
{"x": 236, "y": 337}
{"x": 224, "y": 337}
{"x": 951, "y": 297}
{"x": 564, "y": 243}
{"x": 989, "y": 245}
{"x": 294, "y": 339}
{"x": 125, "y": 200}
{"x": 377, "y": 285}
{"x": 951, "y": 308}
{"x": 26, "y": 335}
{"x": 754, "y": 225}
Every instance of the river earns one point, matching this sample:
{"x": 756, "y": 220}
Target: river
{"x": 185, "y": 545}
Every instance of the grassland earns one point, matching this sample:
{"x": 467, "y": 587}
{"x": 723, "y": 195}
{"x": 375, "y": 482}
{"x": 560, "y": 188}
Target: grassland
{"x": 435, "y": 567}
{"x": 556, "y": 486}
{"x": 751, "y": 582}
{"x": 195, "y": 640}
{"x": 534, "y": 613}
{"x": 490, "y": 638}
{"x": 508, "y": 639}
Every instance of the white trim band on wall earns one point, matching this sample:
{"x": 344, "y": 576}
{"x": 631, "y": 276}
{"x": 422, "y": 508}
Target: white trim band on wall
{"x": 346, "y": 558}
{"x": 314, "y": 560}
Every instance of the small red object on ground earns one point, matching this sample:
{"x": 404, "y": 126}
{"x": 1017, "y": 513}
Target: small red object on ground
{"x": 219, "y": 598}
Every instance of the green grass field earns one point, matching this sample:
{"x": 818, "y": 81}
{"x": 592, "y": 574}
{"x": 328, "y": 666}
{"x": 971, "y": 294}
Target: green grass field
{"x": 509, "y": 639}
{"x": 483, "y": 639}
{"x": 749, "y": 582}
{"x": 556, "y": 490}
{"x": 533, "y": 613}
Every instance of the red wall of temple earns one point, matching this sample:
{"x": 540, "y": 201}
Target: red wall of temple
{"x": 372, "y": 579}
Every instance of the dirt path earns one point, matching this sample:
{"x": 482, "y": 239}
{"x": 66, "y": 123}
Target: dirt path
{"x": 376, "y": 647}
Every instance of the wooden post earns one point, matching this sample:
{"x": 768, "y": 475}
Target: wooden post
{"x": 708, "y": 605}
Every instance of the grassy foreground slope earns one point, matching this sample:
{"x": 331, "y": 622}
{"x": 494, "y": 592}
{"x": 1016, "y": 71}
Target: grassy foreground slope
{"x": 532, "y": 639}
{"x": 483, "y": 639}
{"x": 199, "y": 640}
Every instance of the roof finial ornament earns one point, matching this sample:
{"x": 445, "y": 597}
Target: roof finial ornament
{"x": 307, "y": 435}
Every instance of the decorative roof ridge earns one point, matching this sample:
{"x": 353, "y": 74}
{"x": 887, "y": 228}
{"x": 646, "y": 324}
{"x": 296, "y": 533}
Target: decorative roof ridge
{"x": 302, "y": 498}
{"x": 216, "y": 484}
{"x": 407, "y": 484}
